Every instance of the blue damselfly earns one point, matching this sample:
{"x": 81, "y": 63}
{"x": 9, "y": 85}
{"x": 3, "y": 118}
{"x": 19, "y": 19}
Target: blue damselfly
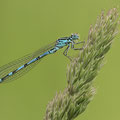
{"x": 19, "y": 67}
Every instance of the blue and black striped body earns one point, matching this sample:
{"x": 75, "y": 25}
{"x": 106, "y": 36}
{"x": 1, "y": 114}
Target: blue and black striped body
{"x": 23, "y": 66}
{"x": 60, "y": 43}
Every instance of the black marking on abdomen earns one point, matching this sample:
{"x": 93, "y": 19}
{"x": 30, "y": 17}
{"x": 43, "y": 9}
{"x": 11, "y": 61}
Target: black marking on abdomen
{"x": 38, "y": 58}
{"x": 4, "y": 77}
{"x": 25, "y": 65}
{"x": 14, "y": 72}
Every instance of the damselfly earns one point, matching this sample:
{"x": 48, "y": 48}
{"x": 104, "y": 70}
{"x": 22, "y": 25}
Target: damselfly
{"x": 19, "y": 67}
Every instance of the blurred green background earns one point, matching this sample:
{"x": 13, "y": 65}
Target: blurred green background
{"x": 27, "y": 25}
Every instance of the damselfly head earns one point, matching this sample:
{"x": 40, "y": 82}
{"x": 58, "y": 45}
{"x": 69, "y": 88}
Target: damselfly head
{"x": 75, "y": 36}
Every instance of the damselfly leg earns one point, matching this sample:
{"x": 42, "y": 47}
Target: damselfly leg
{"x": 73, "y": 43}
{"x": 72, "y": 47}
{"x": 66, "y": 51}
